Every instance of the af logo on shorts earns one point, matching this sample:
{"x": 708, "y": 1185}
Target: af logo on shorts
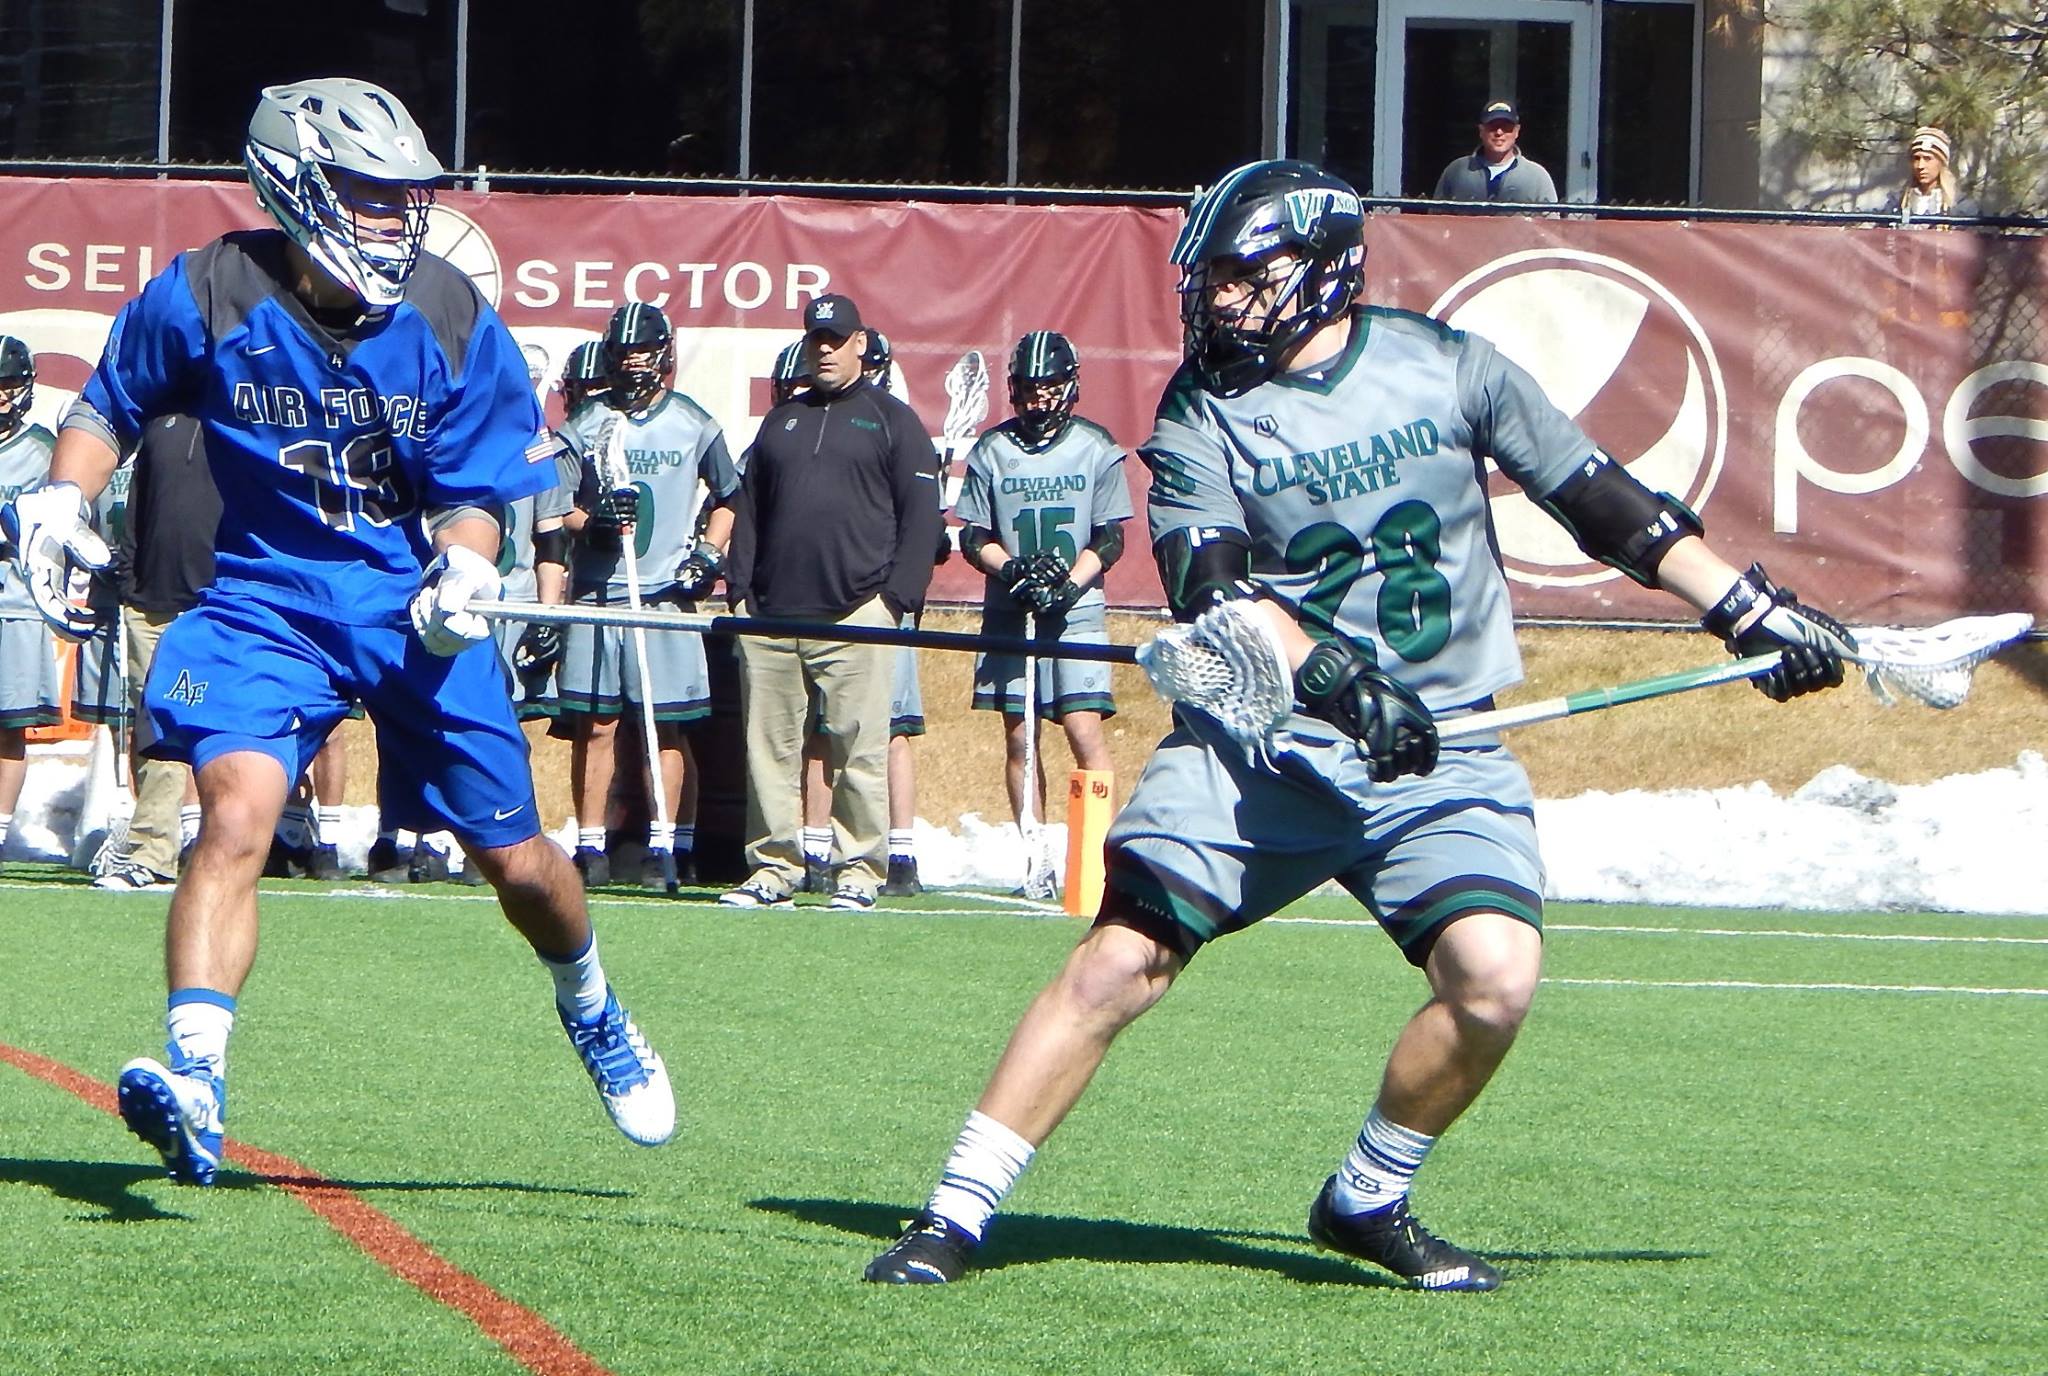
{"x": 185, "y": 690}
{"x": 1619, "y": 353}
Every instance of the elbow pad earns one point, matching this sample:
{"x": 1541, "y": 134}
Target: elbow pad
{"x": 1203, "y": 565}
{"x": 973, "y": 539}
{"x": 1108, "y": 543}
{"x": 551, "y": 546}
{"x": 1617, "y": 520}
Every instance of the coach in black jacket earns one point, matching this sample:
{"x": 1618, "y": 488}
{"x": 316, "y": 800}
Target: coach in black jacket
{"x": 838, "y": 513}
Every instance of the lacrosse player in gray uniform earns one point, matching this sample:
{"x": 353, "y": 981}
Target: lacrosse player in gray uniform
{"x": 30, "y": 681}
{"x": 99, "y": 692}
{"x": 1324, "y": 461}
{"x": 1041, "y": 513}
{"x": 675, "y": 463}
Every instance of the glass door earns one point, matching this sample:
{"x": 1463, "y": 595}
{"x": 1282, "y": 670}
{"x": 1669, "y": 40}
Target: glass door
{"x": 1441, "y": 61}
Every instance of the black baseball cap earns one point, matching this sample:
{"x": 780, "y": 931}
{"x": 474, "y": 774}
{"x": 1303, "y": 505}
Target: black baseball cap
{"x": 834, "y": 315}
{"x": 1500, "y": 112}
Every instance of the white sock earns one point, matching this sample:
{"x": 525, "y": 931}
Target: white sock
{"x": 902, "y": 844}
{"x": 198, "y": 1021}
{"x": 6, "y": 822}
{"x": 818, "y": 844}
{"x": 661, "y": 835}
{"x": 590, "y": 838}
{"x": 188, "y": 823}
{"x": 579, "y": 981}
{"x": 296, "y": 826}
{"x": 686, "y": 839}
{"x": 986, "y": 1161}
{"x": 328, "y": 825}
{"x": 1381, "y": 1166}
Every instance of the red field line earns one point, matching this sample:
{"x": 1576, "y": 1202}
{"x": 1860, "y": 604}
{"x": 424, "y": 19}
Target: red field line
{"x": 526, "y": 1336}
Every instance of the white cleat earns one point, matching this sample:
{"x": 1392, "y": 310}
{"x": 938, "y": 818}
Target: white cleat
{"x": 629, "y": 1076}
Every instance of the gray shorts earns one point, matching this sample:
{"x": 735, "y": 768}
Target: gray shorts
{"x": 906, "y": 698}
{"x": 30, "y": 681}
{"x": 544, "y": 700}
{"x": 1063, "y": 685}
{"x": 1211, "y": 842}
{"x": 600, "y": 674}
{"x": 99, "y": 688}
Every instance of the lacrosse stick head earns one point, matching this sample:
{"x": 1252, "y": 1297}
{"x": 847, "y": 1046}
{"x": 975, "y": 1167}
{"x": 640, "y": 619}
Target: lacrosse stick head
{"x": 966, "y": 398}
{"x": 1933, "y": 665}
{"x": 1228, "y": 663}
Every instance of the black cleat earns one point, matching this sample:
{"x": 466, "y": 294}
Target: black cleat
{"x": 594, "y": 865}
{"x": 902, "y": 881}
{"x": 323, "y": 862}
{"x": 817, "y": 876}
{"x": 932, "y": 1251}
{"x": 686, "y": 868}
{"x": 387, "y": 863}
{"x": 429, "y": 866}
{"x": 651, "y": 877}
{"x": 284, "y": 862}
{"x": 1394, "y": 1238}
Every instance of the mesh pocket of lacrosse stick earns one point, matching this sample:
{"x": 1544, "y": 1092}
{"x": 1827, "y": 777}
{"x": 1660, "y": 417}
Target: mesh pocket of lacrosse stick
{"x": 1229, "y": 663}
{"x": 1933, "y": 665}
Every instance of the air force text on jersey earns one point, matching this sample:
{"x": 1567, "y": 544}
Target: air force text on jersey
{"x": 336, "y": 408}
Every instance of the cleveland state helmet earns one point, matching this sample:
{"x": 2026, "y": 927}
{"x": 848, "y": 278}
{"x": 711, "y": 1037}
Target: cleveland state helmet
{"x": 583, "y": 376}
{"x": 878, "y": 359}
{"x": 17, "y": 382}
{"x": 1257, "y": 213}
{"x": 639, "y": 354}
{"x": 1043, "y": 357}
{"x": 792, "y": 373}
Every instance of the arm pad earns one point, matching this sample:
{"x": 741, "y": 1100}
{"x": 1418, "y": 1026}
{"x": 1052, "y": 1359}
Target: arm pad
{"x": 1108, "y": 543}
{"x": 551, "y": 546}
{"x": 1617, "y": 520}
{"x": 1203, "y": 565}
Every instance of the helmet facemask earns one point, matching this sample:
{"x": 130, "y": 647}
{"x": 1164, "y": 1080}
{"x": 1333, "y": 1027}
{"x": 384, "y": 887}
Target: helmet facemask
{"x": 17, "y": 384}
{"x": 634, "y": 373}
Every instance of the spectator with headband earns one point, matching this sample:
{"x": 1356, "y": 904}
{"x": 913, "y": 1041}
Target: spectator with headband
{"x": 1930, "y": 190}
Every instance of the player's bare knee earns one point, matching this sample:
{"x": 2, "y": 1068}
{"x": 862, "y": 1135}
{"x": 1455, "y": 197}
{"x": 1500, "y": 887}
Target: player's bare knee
{"x": 1484, "y": 969}
{"x": 1116, "y": 973}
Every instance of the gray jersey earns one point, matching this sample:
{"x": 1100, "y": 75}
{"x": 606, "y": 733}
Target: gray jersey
{"x": 24, "y": 464}
{"x": 675, "y": 455}
{"x": 1048, "y": 499}
{"x": 515, "y": 549}
{"x": 1363, "y": 488}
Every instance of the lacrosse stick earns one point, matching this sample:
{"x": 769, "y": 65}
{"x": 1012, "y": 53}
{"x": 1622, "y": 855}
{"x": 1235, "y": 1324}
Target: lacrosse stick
{"x": 121, "y": 810}
{"x": 1038, "y": 873}
{"x": 1229, "y": 663}
{"x": 617, "y": 476}
{"x": 966, "y": 401}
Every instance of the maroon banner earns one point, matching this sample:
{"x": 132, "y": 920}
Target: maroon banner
{"x": 1862, "y": 409}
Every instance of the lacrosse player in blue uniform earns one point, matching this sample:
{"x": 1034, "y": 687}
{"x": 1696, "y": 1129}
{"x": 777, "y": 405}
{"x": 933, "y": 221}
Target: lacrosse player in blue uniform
{"x": 1321, "y": 462}
{"x": 367, "y": 416}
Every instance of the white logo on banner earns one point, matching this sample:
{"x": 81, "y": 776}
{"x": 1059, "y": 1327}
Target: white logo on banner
{"x": 1618, "y": 352}
{"x": 462, "y": 241}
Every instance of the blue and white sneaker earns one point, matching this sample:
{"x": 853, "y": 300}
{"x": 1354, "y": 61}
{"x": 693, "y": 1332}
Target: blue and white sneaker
{"x": 181, "y": 1112}
{"x": 629, "y": 1076}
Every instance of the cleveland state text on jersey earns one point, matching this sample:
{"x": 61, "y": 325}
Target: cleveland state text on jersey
{"x": 1347, "y": 470}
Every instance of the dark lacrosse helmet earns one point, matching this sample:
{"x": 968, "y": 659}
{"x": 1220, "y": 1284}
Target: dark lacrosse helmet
{"x": 1042, "y": 358}
{"x": 639, "y": 354}
{"x": 583, "y": 378}
{"x": 878, "y": 360}
{"x": 17, "y": 383}
{"x": 1251, "y": 216}
{"x": 792, "y": 373}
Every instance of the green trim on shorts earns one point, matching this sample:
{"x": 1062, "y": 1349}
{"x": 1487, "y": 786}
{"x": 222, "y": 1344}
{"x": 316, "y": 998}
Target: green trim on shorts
{"x": 905, "y": 726}
{"x": 1416, "y": 926}
{"x": 1012, "y": 705}
{"x": 578, "y": 705}
{"x": 1138, "y": 886}
{"x": 25, "y": 717}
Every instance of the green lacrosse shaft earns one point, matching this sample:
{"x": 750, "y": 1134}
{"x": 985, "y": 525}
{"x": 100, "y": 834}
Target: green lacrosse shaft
{"x": 1453, "y": 729}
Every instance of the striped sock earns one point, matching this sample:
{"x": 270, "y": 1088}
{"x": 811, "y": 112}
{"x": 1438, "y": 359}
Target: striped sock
{"x": 590, "y": 838}
{"x": 661, "y": 835}
{"x": 327, "y": 825}
{"x": 818, "y": 844}
{"x": 188, "y": 824}
{"x": 686, "y": 839}
{"x": 986, "y": 1161}
{"x": 198, "y": 1022}
{"x": 1381, "y": 1166}
{"x": 6, "y": 824}
{"x": 902, "y": 844}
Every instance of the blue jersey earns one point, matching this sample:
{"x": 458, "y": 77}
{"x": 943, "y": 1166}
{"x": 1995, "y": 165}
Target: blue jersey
{"x": 327, "y": 445}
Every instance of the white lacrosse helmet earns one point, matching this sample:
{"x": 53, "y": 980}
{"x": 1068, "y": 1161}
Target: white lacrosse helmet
{"x": 326, "y": 155}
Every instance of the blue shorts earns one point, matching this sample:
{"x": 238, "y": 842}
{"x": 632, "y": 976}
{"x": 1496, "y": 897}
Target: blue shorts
{"x": 235, "y": 674}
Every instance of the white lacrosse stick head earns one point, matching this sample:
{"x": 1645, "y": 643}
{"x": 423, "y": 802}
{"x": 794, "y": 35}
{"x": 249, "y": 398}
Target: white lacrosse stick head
{"x": 1933, "y": 665}
{"x": 1229, "y": 663}
{"x": 966, "y": 397}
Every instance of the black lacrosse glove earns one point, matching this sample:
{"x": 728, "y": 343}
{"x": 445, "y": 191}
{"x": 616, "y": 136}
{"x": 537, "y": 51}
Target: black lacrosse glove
{"x": 611, "y": 514}
{"x": 1018, "y": 579}
{"x": 1393, "y": 729}
{"x": 1049, "y": 599}
{"x": 699, "y": 571}
{"x": 1813, "y": 643}
{"x": 539, "y": 650}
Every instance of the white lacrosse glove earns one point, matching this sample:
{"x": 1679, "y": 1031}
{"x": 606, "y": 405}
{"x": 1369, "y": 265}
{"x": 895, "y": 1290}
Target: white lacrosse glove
{"x": 57, "y": 553}
{"x": 440, "y": 609}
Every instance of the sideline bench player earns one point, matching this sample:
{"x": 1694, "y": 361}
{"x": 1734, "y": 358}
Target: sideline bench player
{"x": 367, "y": 415}
{"x": 1322, "y": 459}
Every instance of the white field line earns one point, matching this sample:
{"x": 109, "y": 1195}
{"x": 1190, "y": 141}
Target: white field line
{"x": 1581, "y": 928}
{"x": 1825, "y": 988}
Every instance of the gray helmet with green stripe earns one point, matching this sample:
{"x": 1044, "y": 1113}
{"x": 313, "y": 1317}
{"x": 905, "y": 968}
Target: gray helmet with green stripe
{"x": 345, "y": 171}
{"x": 639, "y": 354}
{"x": 1255, "y": 213}
{"x": 1041, "y": 357}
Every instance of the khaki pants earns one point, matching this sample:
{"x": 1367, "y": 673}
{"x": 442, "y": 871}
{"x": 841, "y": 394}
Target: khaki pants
{"x": 853, "y": 684}
{"x": 159, "y": 784}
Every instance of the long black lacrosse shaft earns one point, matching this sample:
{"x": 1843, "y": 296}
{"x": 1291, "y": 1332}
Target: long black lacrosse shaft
{"x": 663, "y": 619}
